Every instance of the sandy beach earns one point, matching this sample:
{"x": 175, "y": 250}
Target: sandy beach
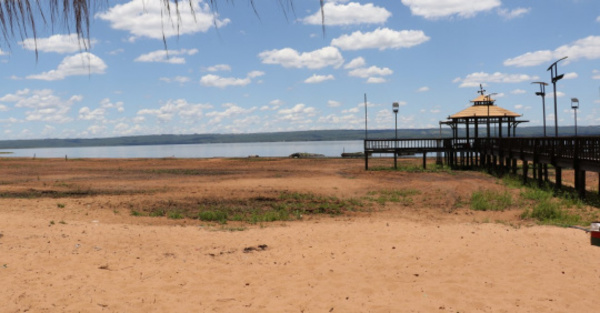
{"x": 70, "y": 242}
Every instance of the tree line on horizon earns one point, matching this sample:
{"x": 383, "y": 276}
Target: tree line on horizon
{"x": 312, "y": 135}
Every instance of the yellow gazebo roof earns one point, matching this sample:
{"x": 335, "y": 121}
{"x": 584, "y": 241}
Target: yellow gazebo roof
{"x": 483, "y": 106}
{"x": 482, "y": 111}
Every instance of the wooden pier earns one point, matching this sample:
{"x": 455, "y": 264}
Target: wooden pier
{"x": 582, "y": 154}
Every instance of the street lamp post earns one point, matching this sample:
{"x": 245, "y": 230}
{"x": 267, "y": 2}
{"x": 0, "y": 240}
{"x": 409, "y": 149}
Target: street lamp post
{"x": 555, "y": 77}
{"x": 542, "y": 93}
{"x": 395, "y": 108}
{"x": 575, "y": 106}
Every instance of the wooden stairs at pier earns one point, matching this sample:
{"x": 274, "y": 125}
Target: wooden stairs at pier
{"x": 582, "y": 154}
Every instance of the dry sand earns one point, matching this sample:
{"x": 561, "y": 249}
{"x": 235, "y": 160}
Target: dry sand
{"x": 70, "y": 244}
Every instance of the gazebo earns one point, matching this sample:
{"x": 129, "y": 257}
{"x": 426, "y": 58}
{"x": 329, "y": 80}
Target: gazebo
{"x": 483, "y": 112}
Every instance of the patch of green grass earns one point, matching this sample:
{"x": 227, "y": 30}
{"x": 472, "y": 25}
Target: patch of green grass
{"x": 282, "y": 207}
{"x": 550, "y": 212}
{"x": 402, "y": 196}
{"x": 60, "y": 205}
{"x": 213, "y": 216}
{"x": 157, "y": 213}
{"x": 175, "y": 215}
{"x": 489, "y": 200}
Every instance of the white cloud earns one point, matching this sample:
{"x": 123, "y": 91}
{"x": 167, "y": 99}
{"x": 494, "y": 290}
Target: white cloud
{"x": 186, "y": 111}
{"x": 518, "y": 92}
{"x": 423, "y": 89}
{"x": 255, "y": 74}
{"x": 349, "y": 14}
{"x": 376, "y": 80}
{"x": 166, "y": 56}
{"x": 42, "y": 105}
{"x": 299, "y": 114}
{"x": 107, "y": 104}
{"x": 87, "y": 114}
{"x": 177, "y": 79}
{"x": 315, "y": 79}
{"x": 218, "y": 68}
{"x": 474, "y": 79}
{"x": 231, "y": 111}
{"x": 57, "y": 43}
{"x": 2, "y": 52}
{"x": 83, "y": 63}
{"x": 333, "y": 104}
{"x": 586, "y": 48}
{"x": 288, "y": 57}
{"x": 434, "y": 9}
{"x": 356, "y": 62}
{"x": 510, "y": 14}
{"x": 596, "y": 74}
{"x": 381, "y": 38}
{"x": 212, "y": 80}
{"x": 370, "y": 71}
{"x": 144, "y": 18}
{"x": 571, "y": 75}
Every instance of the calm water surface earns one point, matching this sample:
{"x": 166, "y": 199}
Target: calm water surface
{"x": 228, "y": 150}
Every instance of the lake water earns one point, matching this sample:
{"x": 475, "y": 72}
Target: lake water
{"x": 228, "y": 150}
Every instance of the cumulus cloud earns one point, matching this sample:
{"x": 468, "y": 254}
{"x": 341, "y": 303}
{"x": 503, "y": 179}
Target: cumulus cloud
{"x": 435, "y": 9}
{"x": 218, "y": 68}
{"x": 381, "y": 38}
{"x": 586, "y": 48}
{"x": 146, "y": 18}
{"x": 571, "y": 75}
{"x": 298, "y": 114}
{"x": 356, "y": 62}
{"x": 231, "y": 110}
{"x": 42, "y": 105}
{"x": 596, "y": 74}
{"x": 166, "y": 56}
{"x": 57, "y": 43}
{"x": 87, "y": 114}
{"x": 510, "y": 14}
{"x": 333, "y": 104}
{"x": 212, "y": 80}
{"x": 474, "y": 79}
{"x": 177, "y": 79}
{"x": 376, "y": 80}
{"x": 349, "y": 14}
{"x": 83, "y": 63}
{"x": 187, "y": 111}
{"x": 288, "y": 57}
{"x": 315, "y": 79}
{"x": 423, "y": 89}
{"x": 370, "y": 71}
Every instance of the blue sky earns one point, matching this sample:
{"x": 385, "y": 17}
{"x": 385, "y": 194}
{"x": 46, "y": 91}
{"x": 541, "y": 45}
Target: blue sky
{"x": 232, "y": 71}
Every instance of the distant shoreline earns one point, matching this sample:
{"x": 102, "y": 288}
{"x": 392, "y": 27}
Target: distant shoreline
{"x": 294, "y": 136}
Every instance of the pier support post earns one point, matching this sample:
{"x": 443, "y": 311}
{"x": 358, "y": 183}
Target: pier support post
{"x": 540, "y": 175}
{"x": 558, "y": 178}
{"x": 580, "y": 183}
{"x": 525, "y": 170}
{"x": 424, "y": 160}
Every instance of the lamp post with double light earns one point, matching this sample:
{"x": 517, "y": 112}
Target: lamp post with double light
{"x": 395, "y": 108}
{"x": 575, "y": 106}
{"x": 555, "y": 77}
{"x": 542, "y": 93}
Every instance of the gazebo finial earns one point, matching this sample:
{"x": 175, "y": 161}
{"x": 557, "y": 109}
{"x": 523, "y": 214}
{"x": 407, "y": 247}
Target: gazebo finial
{"x": 481, "y": 91}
